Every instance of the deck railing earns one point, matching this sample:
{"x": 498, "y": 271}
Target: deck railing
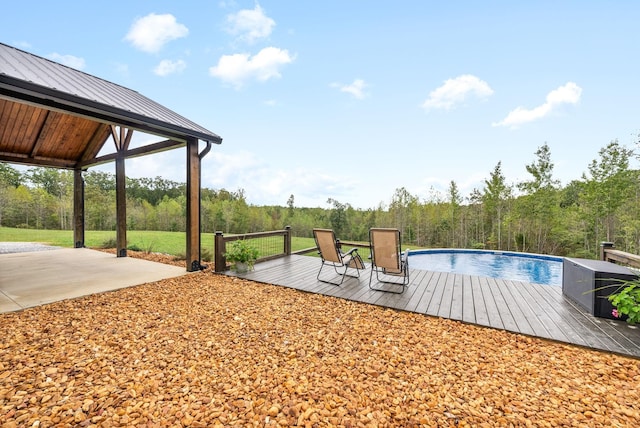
{"x": 609, "y": 254}
{"x": 271, "y": 245}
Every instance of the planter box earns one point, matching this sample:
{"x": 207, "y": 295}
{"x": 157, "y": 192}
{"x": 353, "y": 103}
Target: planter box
{"x": 580, "y": 277}
{"x": 240, "y": 267}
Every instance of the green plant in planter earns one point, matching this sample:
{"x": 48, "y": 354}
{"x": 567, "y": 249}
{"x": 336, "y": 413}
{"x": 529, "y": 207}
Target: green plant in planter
{"x": 626, "y": 301}
{"x": 242, "y": 254}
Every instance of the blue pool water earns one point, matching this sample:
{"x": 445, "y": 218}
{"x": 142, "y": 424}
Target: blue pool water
{"x": 537, "y": 269}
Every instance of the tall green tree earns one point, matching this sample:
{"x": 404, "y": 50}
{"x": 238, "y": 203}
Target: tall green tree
{"x": 290, "y": 206}
{"x": 475, "y": 209}
{"x": 10, "y": 179}
{"x": 402, "y": 209}
{"x": 54, "y": 204}
{"x": 607, "y": 186}
{"x": 455, "y": 199}
{"x": 495, "y": 198}
{"x": 9, "y": 176}
{"x": 539, "y": 206}
{"x": 100, "y": 200}
{"x": 338, "y": 217}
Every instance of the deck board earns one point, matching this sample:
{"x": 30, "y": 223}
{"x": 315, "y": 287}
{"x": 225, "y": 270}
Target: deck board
{"x": 519, "y": 294}
{"x": 531, "y": 309}
{"x": 419, "y": 292}
{"x": 481, "y": 315}
{"x": 493, "y": 314}
{"x": 468, "y": 306}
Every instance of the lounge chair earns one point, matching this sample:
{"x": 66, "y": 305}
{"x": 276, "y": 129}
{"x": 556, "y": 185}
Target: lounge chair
{"x": 388, "y": 263}
{"x": 344, "y": 264}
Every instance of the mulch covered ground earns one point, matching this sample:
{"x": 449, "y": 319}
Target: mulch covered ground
{"x": 207, "y": 350}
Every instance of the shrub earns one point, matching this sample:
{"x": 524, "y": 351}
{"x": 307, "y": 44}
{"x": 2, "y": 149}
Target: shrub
{"x": 241, "y": 251}
{"x": 206, "y": 254}
{"x": 109, "y": 243}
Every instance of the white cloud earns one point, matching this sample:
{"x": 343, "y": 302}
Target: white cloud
{"x": 236, "y": 69}
{"x": 250, "y": 24}
{"x": 166, "y": 67}
{"x": 68, "y": 60}
{"x": 456, "y": 91}
{"x": 265, "y": 185}
{"x": 150, "y": 33}
{"x": 567, "y": 94}
{"x": 356, "y": 88}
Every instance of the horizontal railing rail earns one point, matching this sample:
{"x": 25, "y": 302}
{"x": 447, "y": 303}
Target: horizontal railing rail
{"x": 609, "y": 254}
{"x": 268, "y": 247}
{"x": 354, "y": 244}
{"x": 271, "y": 245}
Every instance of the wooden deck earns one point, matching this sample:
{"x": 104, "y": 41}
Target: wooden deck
{"x": 531, "y": 309}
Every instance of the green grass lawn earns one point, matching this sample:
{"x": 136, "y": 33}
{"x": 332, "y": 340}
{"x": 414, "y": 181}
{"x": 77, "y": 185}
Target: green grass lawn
{"x": 173, "y": 243}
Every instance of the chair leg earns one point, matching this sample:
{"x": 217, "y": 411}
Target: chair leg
{"x": 339, "y": 272}
{"x": 346, "y": 271}
{"x": 404, "y": 284}
{"x": 327, "y": 281}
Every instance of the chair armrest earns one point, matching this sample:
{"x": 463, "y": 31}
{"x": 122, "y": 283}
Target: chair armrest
{"x": 351, "y": 251}
{"x": 405, "y": 257}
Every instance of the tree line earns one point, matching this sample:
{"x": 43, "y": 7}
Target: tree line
{"x": 536, "y": 215}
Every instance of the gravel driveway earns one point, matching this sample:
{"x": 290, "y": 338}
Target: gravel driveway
{"x": 23, "y": 247}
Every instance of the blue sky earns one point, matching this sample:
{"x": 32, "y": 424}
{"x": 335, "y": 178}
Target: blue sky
{"x": 353, "y": 99}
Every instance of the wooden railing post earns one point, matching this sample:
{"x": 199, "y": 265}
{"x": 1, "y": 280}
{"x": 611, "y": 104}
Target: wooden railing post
{"x": 603, "y": 249}
{"x": 287, "y": 241}
{"x": 219, "y": 248}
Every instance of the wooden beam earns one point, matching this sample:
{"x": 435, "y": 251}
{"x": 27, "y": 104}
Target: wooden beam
{"x": 193, "y": 206}
{"x": 121, "y": 209}
{"x": 24, "y": 159}
{"x": 96, "y": 142}
{"x": 121, "y": 192}
{"x": 121, "y": 139}
{"x": 39, "y": 139}
{"x": 78, "y": 209}
{"x": 138, "y": 151}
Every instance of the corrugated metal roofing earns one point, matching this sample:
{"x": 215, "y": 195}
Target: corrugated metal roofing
{"x": 30, "y": 74}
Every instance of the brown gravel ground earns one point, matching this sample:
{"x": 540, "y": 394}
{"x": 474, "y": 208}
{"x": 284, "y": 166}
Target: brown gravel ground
{"x": 208, "y": 350}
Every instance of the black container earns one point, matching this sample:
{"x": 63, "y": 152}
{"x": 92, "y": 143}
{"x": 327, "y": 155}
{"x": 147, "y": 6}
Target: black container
{"x": 589, "y": 282}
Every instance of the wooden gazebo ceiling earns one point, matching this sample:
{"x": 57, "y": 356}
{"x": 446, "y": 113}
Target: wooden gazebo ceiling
{"x": 34, "y": 135}
{"x": 53, "y": 115}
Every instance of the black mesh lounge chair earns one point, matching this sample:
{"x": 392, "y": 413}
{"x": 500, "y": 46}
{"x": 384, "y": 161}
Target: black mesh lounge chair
{"x": 388, "y": 263}
{"x": 344, "y": 264}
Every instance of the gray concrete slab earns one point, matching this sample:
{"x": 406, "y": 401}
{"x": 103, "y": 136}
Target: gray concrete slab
{"x": 30, "y": 279}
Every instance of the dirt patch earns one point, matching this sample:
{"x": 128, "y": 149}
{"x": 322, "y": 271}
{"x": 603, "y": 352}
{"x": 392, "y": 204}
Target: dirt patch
{"x": 208, "y": 350}
{"x": 153, "y": 257}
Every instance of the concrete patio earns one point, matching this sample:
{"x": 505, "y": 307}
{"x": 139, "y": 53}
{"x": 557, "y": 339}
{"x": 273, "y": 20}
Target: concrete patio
{"x": 33, "y": 278}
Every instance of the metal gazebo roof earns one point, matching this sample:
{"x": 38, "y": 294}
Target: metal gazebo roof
{"x": 54, "y": 115}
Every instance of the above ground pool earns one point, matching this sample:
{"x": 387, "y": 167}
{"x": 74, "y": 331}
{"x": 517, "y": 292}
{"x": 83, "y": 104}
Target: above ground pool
{"x": 534, "y": 268}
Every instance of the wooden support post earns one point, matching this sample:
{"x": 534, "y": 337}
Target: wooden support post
{"x": 121, "y": 209}
{"x": 193, "y": 206}
{"x": 122, "y": 144}
{"x": 78, "y": 209}
{"x": 604, "y": 246}
{"x": 287, "y": 241}
{"x": 219, "y": 248}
